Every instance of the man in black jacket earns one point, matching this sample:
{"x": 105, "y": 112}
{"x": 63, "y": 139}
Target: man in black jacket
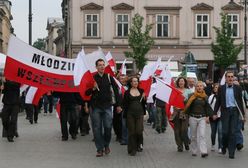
{"x": 10, "y": 110}
{"x": 101, "y": 103}
{"x": 68, "y": 103}
{"x": 229, "y": 100}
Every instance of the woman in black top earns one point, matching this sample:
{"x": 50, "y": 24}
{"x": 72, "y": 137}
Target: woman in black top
{"x": 134, "y": 110}
{"x": 199, "y": 111}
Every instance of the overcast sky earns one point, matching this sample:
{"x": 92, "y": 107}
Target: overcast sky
{"x": 41, "y": 9}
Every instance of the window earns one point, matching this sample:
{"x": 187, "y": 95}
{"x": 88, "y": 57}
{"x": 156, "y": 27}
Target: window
{"x": 162, "y": 25}
{"x": 202, "y": 25}
{"x": 122, "y": 25}
{"x": 91, "y": 25}
{"x": 234, "y": 24}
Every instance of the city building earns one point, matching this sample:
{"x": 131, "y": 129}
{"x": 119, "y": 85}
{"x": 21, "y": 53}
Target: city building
{"x": 5, "y": 24}
{"x": 54, "y": 28}
{"x": 179, "y": 26}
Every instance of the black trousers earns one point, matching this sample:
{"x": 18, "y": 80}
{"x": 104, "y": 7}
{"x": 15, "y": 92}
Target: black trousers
{"x": 68, "y": 115}
{"x": 135, "y": 132}
{"x": 229, "y": 120}
{"x": 9, "y": 119}
{"x": 117, "y": 124}
{"x": 84, "y": 122}
{"x": 32, "y": 112}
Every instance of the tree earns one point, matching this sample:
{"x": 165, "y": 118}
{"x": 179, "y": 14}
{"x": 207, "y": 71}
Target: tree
{"x": 139, "y": 41}
{"x": 224, "y": 50}
{"x": 40, "y": 44}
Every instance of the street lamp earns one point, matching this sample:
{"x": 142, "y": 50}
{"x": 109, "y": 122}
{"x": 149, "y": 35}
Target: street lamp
{"x": 30, "y": 22}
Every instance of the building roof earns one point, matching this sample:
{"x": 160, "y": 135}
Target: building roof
{"x": 202, "y": 6}
{"x": 232, "y": 6}
{"x": 91, "y": 6}
{"x": 53, "y": 22}
{"x": 122, "y": 6}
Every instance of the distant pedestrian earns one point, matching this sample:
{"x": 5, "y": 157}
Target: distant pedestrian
{"x": 11, "y": 107}
{"x": 216, "y": 126}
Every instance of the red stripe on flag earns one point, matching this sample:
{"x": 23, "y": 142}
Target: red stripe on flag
{"x": 87, "y": 82}
{"x": 39, "y": 93}
{"x": 21, "y": 73}
{"x": 146, "y": 85}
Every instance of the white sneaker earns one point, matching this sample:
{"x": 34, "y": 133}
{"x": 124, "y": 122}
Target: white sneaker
{"x": 213, "y": 148}
{"x": 220, "y": 151}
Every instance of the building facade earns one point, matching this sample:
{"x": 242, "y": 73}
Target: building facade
{"x": 54, "y": 26}
{"x": 5, "y": 24}
{"x": 179, "y": 26}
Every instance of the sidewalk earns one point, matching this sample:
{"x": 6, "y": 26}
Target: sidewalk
{"x": 40, "y": 146}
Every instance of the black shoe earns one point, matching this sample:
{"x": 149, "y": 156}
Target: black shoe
{"x": 186, "y": 147}
{"x": 158, "y": 130}
{"x": 223, "y": 151}
{"x": 10, "y": 139}
{"x": 239, "y": 147}
{"x": 35, "y": 122}
{"x": 231, "y": 157}
{"x": 64, "y": 138}
{"x": 83, "y": 133}
{"x": 16, "y": 135}
{"x": 133, "y": 153}
{"x": 193, "y": 154}
{"x": 203, "y": 155}
{"x": 163, "y": 130}
{"x": 74, "y": 137}
{"x": 180, "y": 149}
{"x": 31, "y": 121}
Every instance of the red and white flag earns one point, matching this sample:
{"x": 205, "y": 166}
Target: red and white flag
{"x": 28, "y": 65}
{"x": 33, "y": 95}
{"x": 111, "y": 61}
{"x": 82, "y": 75}
{"x": 169, "y": 94}
{"x": 123, "y": 69}
{"x": 23, "y": 87}
{"x": 146, "y": 76}
{"x": 120, "y": 86}
{"x": 91, "y": 58}
{"x": 167, "y": 78}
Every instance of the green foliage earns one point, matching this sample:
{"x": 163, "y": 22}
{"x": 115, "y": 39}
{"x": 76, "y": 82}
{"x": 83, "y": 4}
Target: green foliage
{"x": 40, "y": 44}
{"x": 139, "y": 41}
{"x": 224, "y": 50}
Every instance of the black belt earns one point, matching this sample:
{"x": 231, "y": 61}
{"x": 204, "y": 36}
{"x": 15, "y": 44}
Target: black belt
{"x": 231, "y": 108}
{"x": 197, "y": 115}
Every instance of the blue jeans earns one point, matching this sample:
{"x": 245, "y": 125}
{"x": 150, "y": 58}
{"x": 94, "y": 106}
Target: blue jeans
{"x": 216, "y": 127}
{"x": 239, "y": 135}
{"x": 151, "y": 111}
{"x": 102, "y": 126}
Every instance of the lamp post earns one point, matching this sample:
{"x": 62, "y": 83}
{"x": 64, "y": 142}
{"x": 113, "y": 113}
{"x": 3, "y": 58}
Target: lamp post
{"x": 245, "y": 39}
{"x": 30, "y": 22}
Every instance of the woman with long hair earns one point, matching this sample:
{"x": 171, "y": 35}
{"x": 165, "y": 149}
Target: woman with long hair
{"x": 216, "y": 126}
{"x": 180, "y": 119}
{"x": 134, "y": 110}
{"x": 199, "y": 111}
